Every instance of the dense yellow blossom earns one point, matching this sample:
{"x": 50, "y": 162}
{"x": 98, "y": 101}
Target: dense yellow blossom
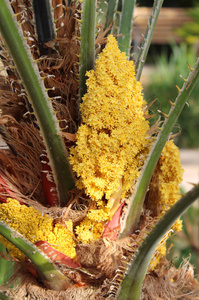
{"x": 170, "y": 176}
{"x": 165, "y": 191}
{"x": 36, "y": 226}
{"x": 89, "y": 230}
{"x": 114, "y": 129}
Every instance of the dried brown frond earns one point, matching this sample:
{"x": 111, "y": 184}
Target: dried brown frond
{"x": 102, "y": 36}
{"x": 104, "y": 258}
{"x": 75, "y": 211}
{"x": 101, "y": 258}
{"x": 61, "y": 66}
{"x": 21, "y": 165}
{"x": 9, "y": 101}
{"x": 30, "y": 289}
{"x": 169, "y": 283}
{"x": 58, "y": 65}
{"x": 24, "y": 15}
{"x": 57, "y": 61}
{"x": 12, "y": 94}
{"x": 155, "y": 128}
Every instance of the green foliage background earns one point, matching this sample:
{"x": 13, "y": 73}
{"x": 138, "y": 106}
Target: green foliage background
{"x": 161, "y": 85}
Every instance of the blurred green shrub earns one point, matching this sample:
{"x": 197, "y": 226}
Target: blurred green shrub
{"x": 161, "y": 85}
{"x": 190, "y": 30}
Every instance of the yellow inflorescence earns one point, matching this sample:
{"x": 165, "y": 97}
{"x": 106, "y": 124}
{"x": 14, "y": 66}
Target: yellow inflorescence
{"x": 107, "y": 157}
{"x": 168, "y": 176}
{"x": 91, "y": 228}
{"x": 114, "y": 129}
{"x": 36, "y": 226}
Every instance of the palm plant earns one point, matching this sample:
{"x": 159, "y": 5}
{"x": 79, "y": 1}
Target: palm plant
{"x": 90, "y": 193}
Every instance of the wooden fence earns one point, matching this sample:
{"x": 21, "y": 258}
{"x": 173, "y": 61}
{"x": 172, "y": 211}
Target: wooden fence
{"x": 169, "y": 20}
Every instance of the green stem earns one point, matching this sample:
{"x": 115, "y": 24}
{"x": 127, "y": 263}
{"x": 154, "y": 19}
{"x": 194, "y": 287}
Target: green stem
{"x": 135, "y": 207}
{"x": 49, "y": 274}
{"x": 126, "y": 26}
{"x": 148, "y": 37}
{"x": 7, "y": 268}
{"x": 101, "y": 12}
{"x": 117, "y": 19}
{"x": 87, "y": 53}
{"x": 131, "y": 285}
{"x": 41, "y": 103}
{"x": 112, "y": 4}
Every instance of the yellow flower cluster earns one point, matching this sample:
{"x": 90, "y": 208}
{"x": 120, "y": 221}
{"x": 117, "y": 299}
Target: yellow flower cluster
{"x": 91, "y": 228}
{"x": 114, "y": 129}
{"x": 165, "y": 191}
{"x": 36, "y": 226}
{"x": 169, "y": 176}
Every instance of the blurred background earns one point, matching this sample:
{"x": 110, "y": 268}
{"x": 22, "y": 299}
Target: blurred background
{"x": 175, "y": 44}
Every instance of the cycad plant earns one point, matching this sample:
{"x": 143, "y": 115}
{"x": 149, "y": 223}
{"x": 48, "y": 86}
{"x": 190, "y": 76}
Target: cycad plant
{"x": 89, "y": 191}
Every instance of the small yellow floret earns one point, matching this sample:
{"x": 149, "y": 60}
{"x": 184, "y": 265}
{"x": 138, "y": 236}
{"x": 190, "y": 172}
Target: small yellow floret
{"x": 99, "y": 215}
{"x": 89, "y": 230}
{"x": 114, "y": 129}
{"x": 36, "y": 226}
{"x": 164, "y": 191}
